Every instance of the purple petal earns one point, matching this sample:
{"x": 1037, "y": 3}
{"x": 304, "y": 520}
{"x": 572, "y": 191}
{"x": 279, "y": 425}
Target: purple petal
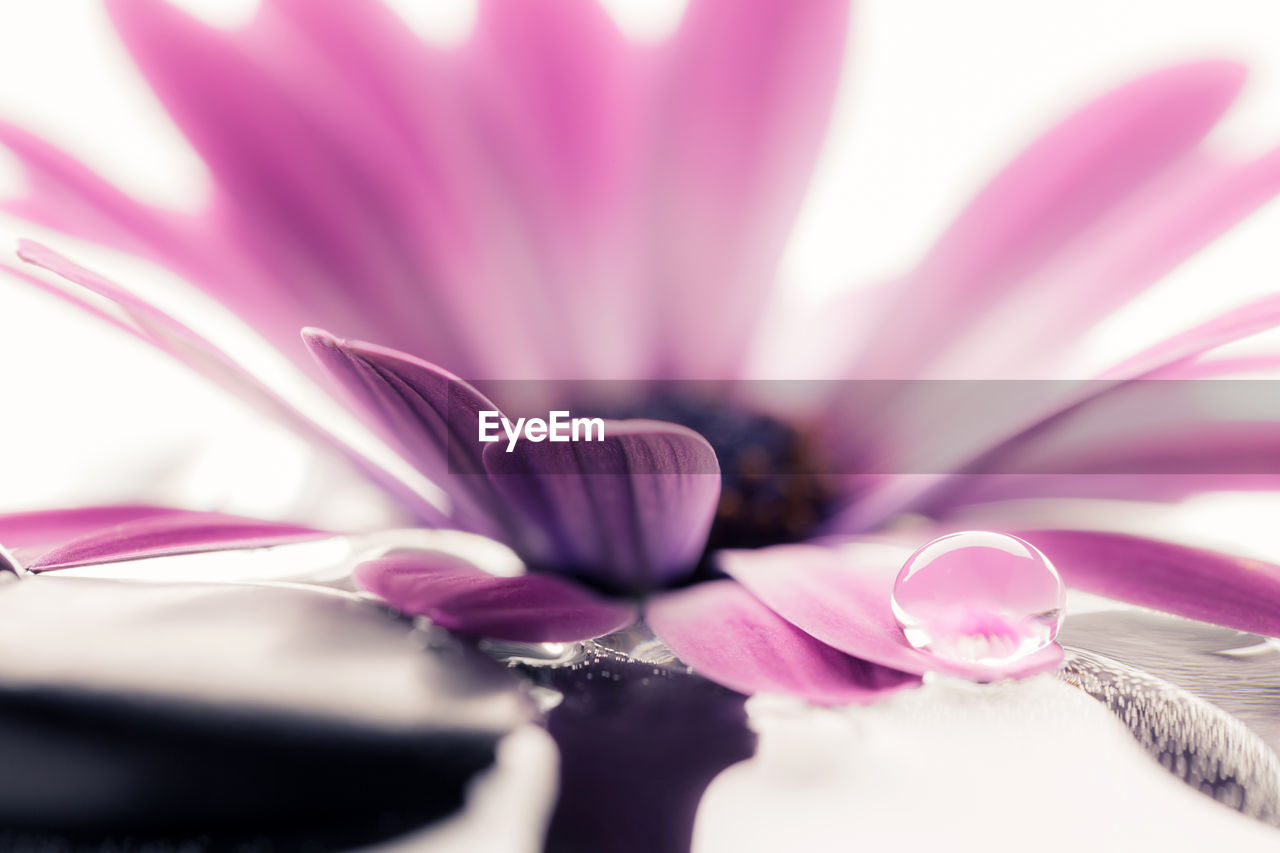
{"x": 727, "y": 635}
{"x": 840, "y": 595}
{"x": 1060, "y": 186}
{"x": 1238, "y": 592}
{"x": 201, "y": 355}
{"x": 60, "y": 539}
{"x": 532, "y": 608}
{"x": 743, "y": 104}
{"x": 631, "y": 511}
{"x": 424, "y": 410}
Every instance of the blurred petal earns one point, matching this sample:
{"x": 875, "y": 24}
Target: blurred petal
{"x": 742, "y": 109}
{"x": 727, "y": 635}
{"x": 201, "y": 355}
{"x": 841, "y": 595}
{"x": 1157, "y": 440}
{"x": 1206, "y": 585}
{"x": 531, "y": 608}
{"x": 1120, "y": 255}
{"x": 65, "y": 194}
{"x": 1164, "y": 358}
{"x": 1060, "y": 186}
{"x": 335, "y": 217}
{"x": 60, "y": 539}
{"x": 557, "y": 97}
{"x": 630, "y": 511}
{"x": 427, "y": 412}
{"x": 1204, "y": 431}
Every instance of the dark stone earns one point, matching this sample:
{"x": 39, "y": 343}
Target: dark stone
{"x": 199, "y": 717}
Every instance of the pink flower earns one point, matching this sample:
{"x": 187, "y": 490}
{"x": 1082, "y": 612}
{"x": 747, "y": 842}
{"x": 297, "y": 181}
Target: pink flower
{"x": 550, "y": 201}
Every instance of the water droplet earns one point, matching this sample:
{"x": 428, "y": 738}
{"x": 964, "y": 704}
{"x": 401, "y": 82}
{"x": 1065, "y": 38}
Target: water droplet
{"x": 979, "y": 597}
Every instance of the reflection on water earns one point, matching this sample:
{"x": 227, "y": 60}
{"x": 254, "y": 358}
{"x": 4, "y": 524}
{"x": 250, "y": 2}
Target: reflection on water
{"x": 1204, "y": 700}
{"x": 640, "y": 739}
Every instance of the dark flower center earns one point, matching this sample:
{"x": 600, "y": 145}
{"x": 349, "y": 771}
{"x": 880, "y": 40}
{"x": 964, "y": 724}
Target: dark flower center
{"x": 771, "y": 488}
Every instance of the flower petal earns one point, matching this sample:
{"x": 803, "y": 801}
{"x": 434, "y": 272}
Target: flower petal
{"x": 1162, "y": 359}
{"x": 161, "y": 330}
{"x": 630, "y": 511}
{"x": 60, "y": 539}
{"x": 425, "y": 411}
{"x": 727, "y": 635}
{"x": 840, "y": 595}
{"x": 65, "y": 194}
{"x": 557, "y": 96}
{"x": 1206, "y": 585}
{"x": 321, "y": 208}
{"x": 743, "y": 106}
{"x": 531, "y": 608}
{"x": 1156, "y": 440}
{"x": 1062, "y": 184}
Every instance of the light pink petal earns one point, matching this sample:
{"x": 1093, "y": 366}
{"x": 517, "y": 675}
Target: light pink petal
{"x": 65, "y": 194}
{"x": 427, "y": 412}
{"x": 59, "y": 539}
{"x": 727, "y": 635}
{"x": 1163, "y": 359}
{"x": 172, "y": 337}
{"x": 1033, "y": 332}
{"x": 1059, "y": 187}
{"x": 1150, "y": 439}
{"x": 631, "y": 511}
{"x": 532, "y": 608}
{"x": 1212, "y": 587}
{"x": 841, "y": 596}
{"x": 1203, "y": 431}
{"x": 742, "y": 108}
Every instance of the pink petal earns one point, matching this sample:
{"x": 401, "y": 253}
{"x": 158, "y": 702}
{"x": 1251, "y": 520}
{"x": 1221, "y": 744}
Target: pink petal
{"x": 631, "y": 511}
{"x": 427, "y": 412}
{"x": 558, "y": 100}
{"x": 742, "y": 108}
{"x": 841, "y": 595}
{"x": 728, "y": 636}
{"x": 1060, "y": 186}
{"x": 1238, "y": 592}
{"x": 196, "y": 352}
{"x": 60, "y": 539}
{"x": 337, "y": 214}
{"x": 532, "y": 608}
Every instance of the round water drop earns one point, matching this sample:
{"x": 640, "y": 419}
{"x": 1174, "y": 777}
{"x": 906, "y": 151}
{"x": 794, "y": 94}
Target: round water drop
{"x": 979, "y": 597}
